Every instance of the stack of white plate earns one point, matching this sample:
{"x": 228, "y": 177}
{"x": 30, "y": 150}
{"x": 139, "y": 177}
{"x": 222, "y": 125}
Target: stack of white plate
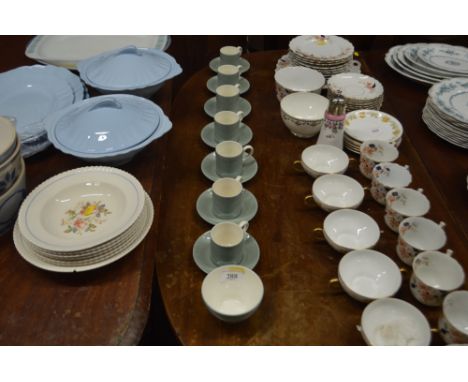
{"x": 327, "y": 54}
{"x": 446, "y": 111}
{"x": 366, "y": 125}
{"x": 359, "y": 90}
{"x": 428, "y": 63}
{"x": 32, "y": 93}
{"x": 82, "y": 219}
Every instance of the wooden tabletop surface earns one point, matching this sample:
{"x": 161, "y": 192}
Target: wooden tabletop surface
{"x": 107, "y": 306}
{"x": 111, "y": 305}
{"x": 299, "y": 307}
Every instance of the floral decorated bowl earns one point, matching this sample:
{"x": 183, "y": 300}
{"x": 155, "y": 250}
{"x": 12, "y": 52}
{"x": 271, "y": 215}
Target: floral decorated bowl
{"x": 391, "y": 322}
{"x": 81, "y": 208}
{"x": 11, "y": 199}
{"x": 402, "y": 203}
{"x": 434, "y": 276}
{"x": 295, "y": 79}
{"x": 453, "y": 324}
{"x": 374, "y": 152}
{"x": 232, "y": 293}
{"x": 386, "y": 176}
{"x": 10, "y": 169}
{"x": 303, "y": 113}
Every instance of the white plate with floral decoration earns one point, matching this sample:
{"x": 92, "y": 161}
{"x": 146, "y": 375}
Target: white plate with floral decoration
{"x": 451, "y": 97}
{"x": 365, "y": 125}
{"x": 355, "y": 86}
{"x": 446, "y": 57}
{"x": 28, "y": 254}
{"x": 81, "y": 208}
{"x": 322, "y": 47}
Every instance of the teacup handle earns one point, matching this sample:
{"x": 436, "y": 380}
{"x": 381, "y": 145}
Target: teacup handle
{"x": 240, "y": 49}
{"x": 449, "y": 252}
{"x": 334, "y": 282}
{"x": 297, "y": 164}
{"x": 442, "y": 224}
{"x": 240, "y": 114}
{"x": 244, "y": 225}
{"x": 421, "y": 190}
{"x": 249, "y": 150}
{"x": 309, "y": 201}
{"x": 405, "y": 273}
{"x": 238, "y": 178}
{"x": 318, "y": 234}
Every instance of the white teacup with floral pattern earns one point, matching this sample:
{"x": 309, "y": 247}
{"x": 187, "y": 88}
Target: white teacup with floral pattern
{"x": 386, "y": 176}
{"x": 453, "y": 324}
{"x": 434, "y": 276}
{"x": 402, "y": 203}
{"x": 374, "y": 152}
{"x": 418, "y": 234}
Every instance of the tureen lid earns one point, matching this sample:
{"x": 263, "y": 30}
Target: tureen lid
{"x": 129, "y": 68}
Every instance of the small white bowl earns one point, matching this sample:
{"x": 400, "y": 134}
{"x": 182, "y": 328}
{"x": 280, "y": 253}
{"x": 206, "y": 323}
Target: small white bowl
{"x": 407, "y": 202}
{"x": 303, "y": 113}
{"x": 319, "y": 160}
{"x": 11, "y": 200}
{"x": 232, "y": 293}
{"x": 367, "y": 275}
{"x": 346, "y": 230}
{"x": 391, "y": 175}
{"x": 390, "y": 321}
{"x": 423, "y": 234}
{"x": 453, "y": 325}
{"x": 332, "y": 192}
{"x": 294, "y": 79}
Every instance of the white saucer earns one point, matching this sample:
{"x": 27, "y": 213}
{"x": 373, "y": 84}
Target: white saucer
{"x": 212, "y": 84}
{"x": 214, "y": 63}
{"x": 210, "y": 107}
{"x": 205, "y": 208}
{"x": 202, "y": 253}
{"x": 208, "y": 167}
{"x": 207, "y": 135}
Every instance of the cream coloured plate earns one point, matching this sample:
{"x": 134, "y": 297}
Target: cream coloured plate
{"x": 81, "y": 208}
{"x": 364, "y": 125}
{"x": 36, "y": 260}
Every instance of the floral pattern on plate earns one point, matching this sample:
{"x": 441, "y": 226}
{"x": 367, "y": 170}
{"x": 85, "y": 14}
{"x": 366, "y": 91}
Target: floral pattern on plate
{"x": 85, "y": 217}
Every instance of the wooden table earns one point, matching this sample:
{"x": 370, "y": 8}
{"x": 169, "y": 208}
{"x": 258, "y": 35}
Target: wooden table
{"x": 299, "y": 307}
{"x": 108, "y": 306}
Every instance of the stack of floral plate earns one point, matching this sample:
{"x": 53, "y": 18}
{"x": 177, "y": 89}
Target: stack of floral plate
{"x": 365, "y": 125}
{"x": 446, "y": 111}
{"x": 32, "y": 93}
{"x": 327, "y": 54}
{"x": 428, "y": 63}
{"x": 82, "y": 219}
{"x": 359, "y": 91}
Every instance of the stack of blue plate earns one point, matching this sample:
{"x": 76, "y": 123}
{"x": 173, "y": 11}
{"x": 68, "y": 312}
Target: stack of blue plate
{"x": 32, "y": 93}
{"x": 130, "y": 70}
{"x": 107, "y": 129}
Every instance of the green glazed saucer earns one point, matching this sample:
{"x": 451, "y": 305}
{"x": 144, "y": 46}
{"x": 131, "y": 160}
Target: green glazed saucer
{"x": 205, "y": 208}
{"x": 202, "y": 253}
{"x": 212, "y": 84}
{"x": 214, "y": 63}
{"x": 244, "y": 106}
{"x": 207, "y": 135}
{"x": 208, "y": 167}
